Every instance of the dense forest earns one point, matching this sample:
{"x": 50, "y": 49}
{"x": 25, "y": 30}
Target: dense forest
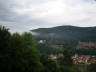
{"x": 67, "y": 33}
{"x": 19, "y": 52}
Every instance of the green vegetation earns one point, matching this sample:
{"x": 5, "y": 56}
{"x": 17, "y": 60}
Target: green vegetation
{"x": 69, "y": 37}
{"x": 86, "y": 51}
{"x": 67, "y": 33}
{"x": 66, "y": 63}
{"x": 18, "y": 52}
{"x": 63, "y": 64}
{"x": 47, "y": 49}
{"x": 92, "y": 68}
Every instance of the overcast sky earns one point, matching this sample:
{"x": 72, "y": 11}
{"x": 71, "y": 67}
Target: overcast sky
{"x": 24, "y": 15}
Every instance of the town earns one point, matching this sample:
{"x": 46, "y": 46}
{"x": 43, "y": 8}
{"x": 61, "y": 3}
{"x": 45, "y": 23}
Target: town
{"x": 77, "y": 59}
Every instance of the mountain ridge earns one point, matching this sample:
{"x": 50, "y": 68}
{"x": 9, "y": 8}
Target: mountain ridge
{"x": 67, "y": 32}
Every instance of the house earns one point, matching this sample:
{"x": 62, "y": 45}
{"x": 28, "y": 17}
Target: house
{"x": 55, "y": 57}
{"x": 86, "y": 45}
{"x": 83, "y": 59}
{"x": 42, "y": 41}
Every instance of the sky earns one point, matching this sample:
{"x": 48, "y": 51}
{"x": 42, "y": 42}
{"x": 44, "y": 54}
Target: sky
{"x": 25, "y": 15}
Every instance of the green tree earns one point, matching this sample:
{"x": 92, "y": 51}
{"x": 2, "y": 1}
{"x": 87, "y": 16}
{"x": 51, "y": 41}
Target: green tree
{"x": 31, "y": 53}
{"x": 25, "y": 55}
{"x": 49, "y": 65}
{"x": 92, "y": 67}
{"x": 4, "y": 48}
{"x": 66, "y": 60}
{"x": 66, "y": 63}
{"x": 18, "y": 53}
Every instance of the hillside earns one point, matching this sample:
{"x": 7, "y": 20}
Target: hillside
{"x": 67, "y": 33}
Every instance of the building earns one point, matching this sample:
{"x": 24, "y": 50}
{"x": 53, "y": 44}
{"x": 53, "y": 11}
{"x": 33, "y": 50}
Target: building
{"x": 55, "y": 57}
{"x": 83, "y": 59}
{"x": 86, "y": 45}
{"x": 42, "y": 41}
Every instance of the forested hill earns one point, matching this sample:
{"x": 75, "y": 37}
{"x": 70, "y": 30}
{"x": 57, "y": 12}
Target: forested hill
{"x": 67, "y": 32}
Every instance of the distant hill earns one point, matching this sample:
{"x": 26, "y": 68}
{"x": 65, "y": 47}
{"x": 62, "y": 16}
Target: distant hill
{"x": 67, "y": 33}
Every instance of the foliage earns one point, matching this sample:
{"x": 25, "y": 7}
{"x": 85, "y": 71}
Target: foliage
{"x": 47, "y": 49}
{"x": 92, "y": 67}
{"x": 86, "y": 51}
{"x": 67, "y": 33}
{"x": 49, "y": 65}
{"x": 4, "y": 48}
{"x": 66, "y": 63}
{"x": 18, "y": 52}
{"x": 66, "y": 59}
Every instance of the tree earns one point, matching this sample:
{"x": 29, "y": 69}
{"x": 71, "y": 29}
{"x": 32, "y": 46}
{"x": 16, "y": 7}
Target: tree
{"x": 25, "y": 55}
{"x": 49, "y": 65}
{"x": 66, "y": 59}
{"x": 66, "y": 63}
{"x": 4, "y": 48}
{"x": 92, "y": 67}
{"x": 18, "y": 53}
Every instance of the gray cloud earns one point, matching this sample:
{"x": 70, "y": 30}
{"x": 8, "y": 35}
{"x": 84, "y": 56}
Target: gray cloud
{"x": 11, "y": 18}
